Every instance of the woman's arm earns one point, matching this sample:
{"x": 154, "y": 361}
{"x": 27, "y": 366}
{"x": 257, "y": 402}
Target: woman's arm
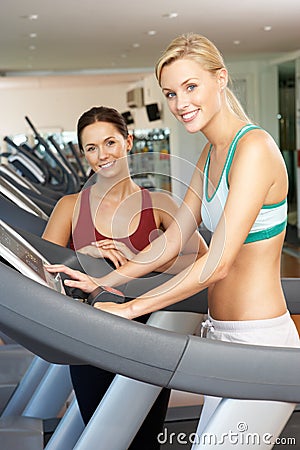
{"x": 167, "y": 208}
{"x": 59, "y": 230}
{"x": 158, "y": 253}
{"x": 257, "y": 177}
{"x": 59, "y": 226}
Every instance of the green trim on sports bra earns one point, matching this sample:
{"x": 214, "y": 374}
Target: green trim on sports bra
{"x": 228, "y": 160}
{"x": 206, "y": 171}
{"x": 261, "y": 223}
{"x": 233, "y": 145}
{"x": 266, "y": 234}
{"x": 274, "y": 205}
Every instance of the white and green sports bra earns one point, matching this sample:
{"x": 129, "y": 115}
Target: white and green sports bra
{"x": 271, "y": 220}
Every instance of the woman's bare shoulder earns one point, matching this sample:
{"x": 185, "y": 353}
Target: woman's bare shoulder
{"x": 160, "y": 198}
{"x": 68, "y": 201}
{"x": 260, "y": 141}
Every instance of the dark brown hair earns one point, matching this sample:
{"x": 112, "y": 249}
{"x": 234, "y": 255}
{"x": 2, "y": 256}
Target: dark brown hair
{"x": 101, "y": 114}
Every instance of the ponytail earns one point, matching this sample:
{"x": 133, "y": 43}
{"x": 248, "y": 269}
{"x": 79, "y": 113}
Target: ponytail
{"x": 235, "y": 105}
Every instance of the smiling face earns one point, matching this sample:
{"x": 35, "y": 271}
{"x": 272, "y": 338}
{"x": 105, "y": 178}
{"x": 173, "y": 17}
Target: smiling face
{"x": 105, "y": 148}
{"x": 194, "y": 95}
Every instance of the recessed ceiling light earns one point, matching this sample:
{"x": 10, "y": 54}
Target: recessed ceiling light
{"x": 236, "y": 42}
{"x": 32, "y": 47}
{"x": 33, "y": 35}
{"x": 136, "y": 45}
{"x": 267, "y": 28}
{"x": 171, "y": 15}
{"x": 30, "y": 17}
{"x": 152, "y": 32}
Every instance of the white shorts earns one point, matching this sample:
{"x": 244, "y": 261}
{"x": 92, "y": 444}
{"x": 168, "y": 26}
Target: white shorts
{"x": 279, "y": 331}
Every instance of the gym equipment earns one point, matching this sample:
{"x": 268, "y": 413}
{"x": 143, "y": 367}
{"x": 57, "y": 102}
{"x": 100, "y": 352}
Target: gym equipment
{"x": 28, "y": 164}
{"x": 105, "y": 294}
{"x": 11, "y": 174}
{"x": 44, "y": 165}
{"x": 230, "y": 370}
{"x": 14, "y": 362}
{"x": 26, "y": 259}
{"x": 16, "y": 216}
{"x": 78, "y": 183}
{"x": 21, "y": 255}
{"x": 68, "y": 182}
{"x": 16, "y": 196}
{"x": 46, "y": 203}
{"x": 77, "y": 159}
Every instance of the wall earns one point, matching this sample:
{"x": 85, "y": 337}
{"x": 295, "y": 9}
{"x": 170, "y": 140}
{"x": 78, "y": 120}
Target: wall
{"x": 55, "y": 103}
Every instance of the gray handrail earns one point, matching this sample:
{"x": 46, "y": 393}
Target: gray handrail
{"x": 64, "y": 331}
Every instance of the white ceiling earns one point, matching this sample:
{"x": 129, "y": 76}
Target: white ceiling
{"x": 110, "y": 37}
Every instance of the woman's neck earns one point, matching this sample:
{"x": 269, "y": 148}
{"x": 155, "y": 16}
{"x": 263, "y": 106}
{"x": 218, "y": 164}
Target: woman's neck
{"x": 116, "y": 190}
{"x": 221, "y": 133}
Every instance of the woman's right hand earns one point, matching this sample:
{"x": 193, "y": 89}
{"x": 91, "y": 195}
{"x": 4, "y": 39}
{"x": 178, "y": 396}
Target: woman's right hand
{"x": 78, "y": 279}
{"x": 114, "y": 255}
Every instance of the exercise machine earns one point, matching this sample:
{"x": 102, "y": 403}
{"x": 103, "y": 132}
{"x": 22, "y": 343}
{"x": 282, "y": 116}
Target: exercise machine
{"x": 131, "y": 351}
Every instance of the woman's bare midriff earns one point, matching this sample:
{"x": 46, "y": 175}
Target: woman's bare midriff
{"x": 252, "y": 289}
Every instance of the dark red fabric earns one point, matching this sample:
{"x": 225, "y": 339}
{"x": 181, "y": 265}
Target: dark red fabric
{"x": 85, "y": 231}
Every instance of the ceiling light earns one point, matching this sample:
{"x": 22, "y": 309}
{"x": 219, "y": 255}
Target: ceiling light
{"x": 152, "y": 32}
{"x": 30, "y": 17}
{"x": 136, "y": 45}
{"x": 33, "y": 35}
{"x": 171, "y": 15}
{"x": 32, "y": 47}
{"x": 236, "y": 42}
{"x": 267, "y": 28}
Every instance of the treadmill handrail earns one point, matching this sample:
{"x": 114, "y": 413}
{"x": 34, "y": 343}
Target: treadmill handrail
{"x": 64, "y": 331}
{"x": 22, "y": 181}
{"x": 70, "y": 182}
{"x": 16, "y": 196}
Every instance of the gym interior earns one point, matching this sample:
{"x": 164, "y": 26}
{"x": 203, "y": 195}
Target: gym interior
{"x": 58, "y": 60}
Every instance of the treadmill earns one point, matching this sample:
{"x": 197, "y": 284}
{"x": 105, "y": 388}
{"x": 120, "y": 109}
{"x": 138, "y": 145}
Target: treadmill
{"x": 183, "y": 362}
{"x": 7, "y": 171}
{"x": 19, "y": 253}
{"x": 16, "y": 196}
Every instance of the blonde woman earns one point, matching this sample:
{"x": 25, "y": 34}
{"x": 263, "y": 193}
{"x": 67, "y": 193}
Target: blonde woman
{"x": 239, "y": 191}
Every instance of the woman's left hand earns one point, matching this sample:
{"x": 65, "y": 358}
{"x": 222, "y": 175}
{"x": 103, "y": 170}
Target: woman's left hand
{"x": 118, "y": 309}
{"x": 111, "y": 244}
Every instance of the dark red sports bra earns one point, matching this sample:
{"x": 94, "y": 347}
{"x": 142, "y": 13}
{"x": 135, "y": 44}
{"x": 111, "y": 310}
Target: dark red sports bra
{"x": 85, "y": 231}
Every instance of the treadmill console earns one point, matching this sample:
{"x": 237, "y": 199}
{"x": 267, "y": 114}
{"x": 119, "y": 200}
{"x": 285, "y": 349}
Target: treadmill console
{"x": 26, "y": 259}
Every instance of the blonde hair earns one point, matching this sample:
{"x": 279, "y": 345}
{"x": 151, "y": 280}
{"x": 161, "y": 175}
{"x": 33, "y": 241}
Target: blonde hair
{"x": 202, "y": 50}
